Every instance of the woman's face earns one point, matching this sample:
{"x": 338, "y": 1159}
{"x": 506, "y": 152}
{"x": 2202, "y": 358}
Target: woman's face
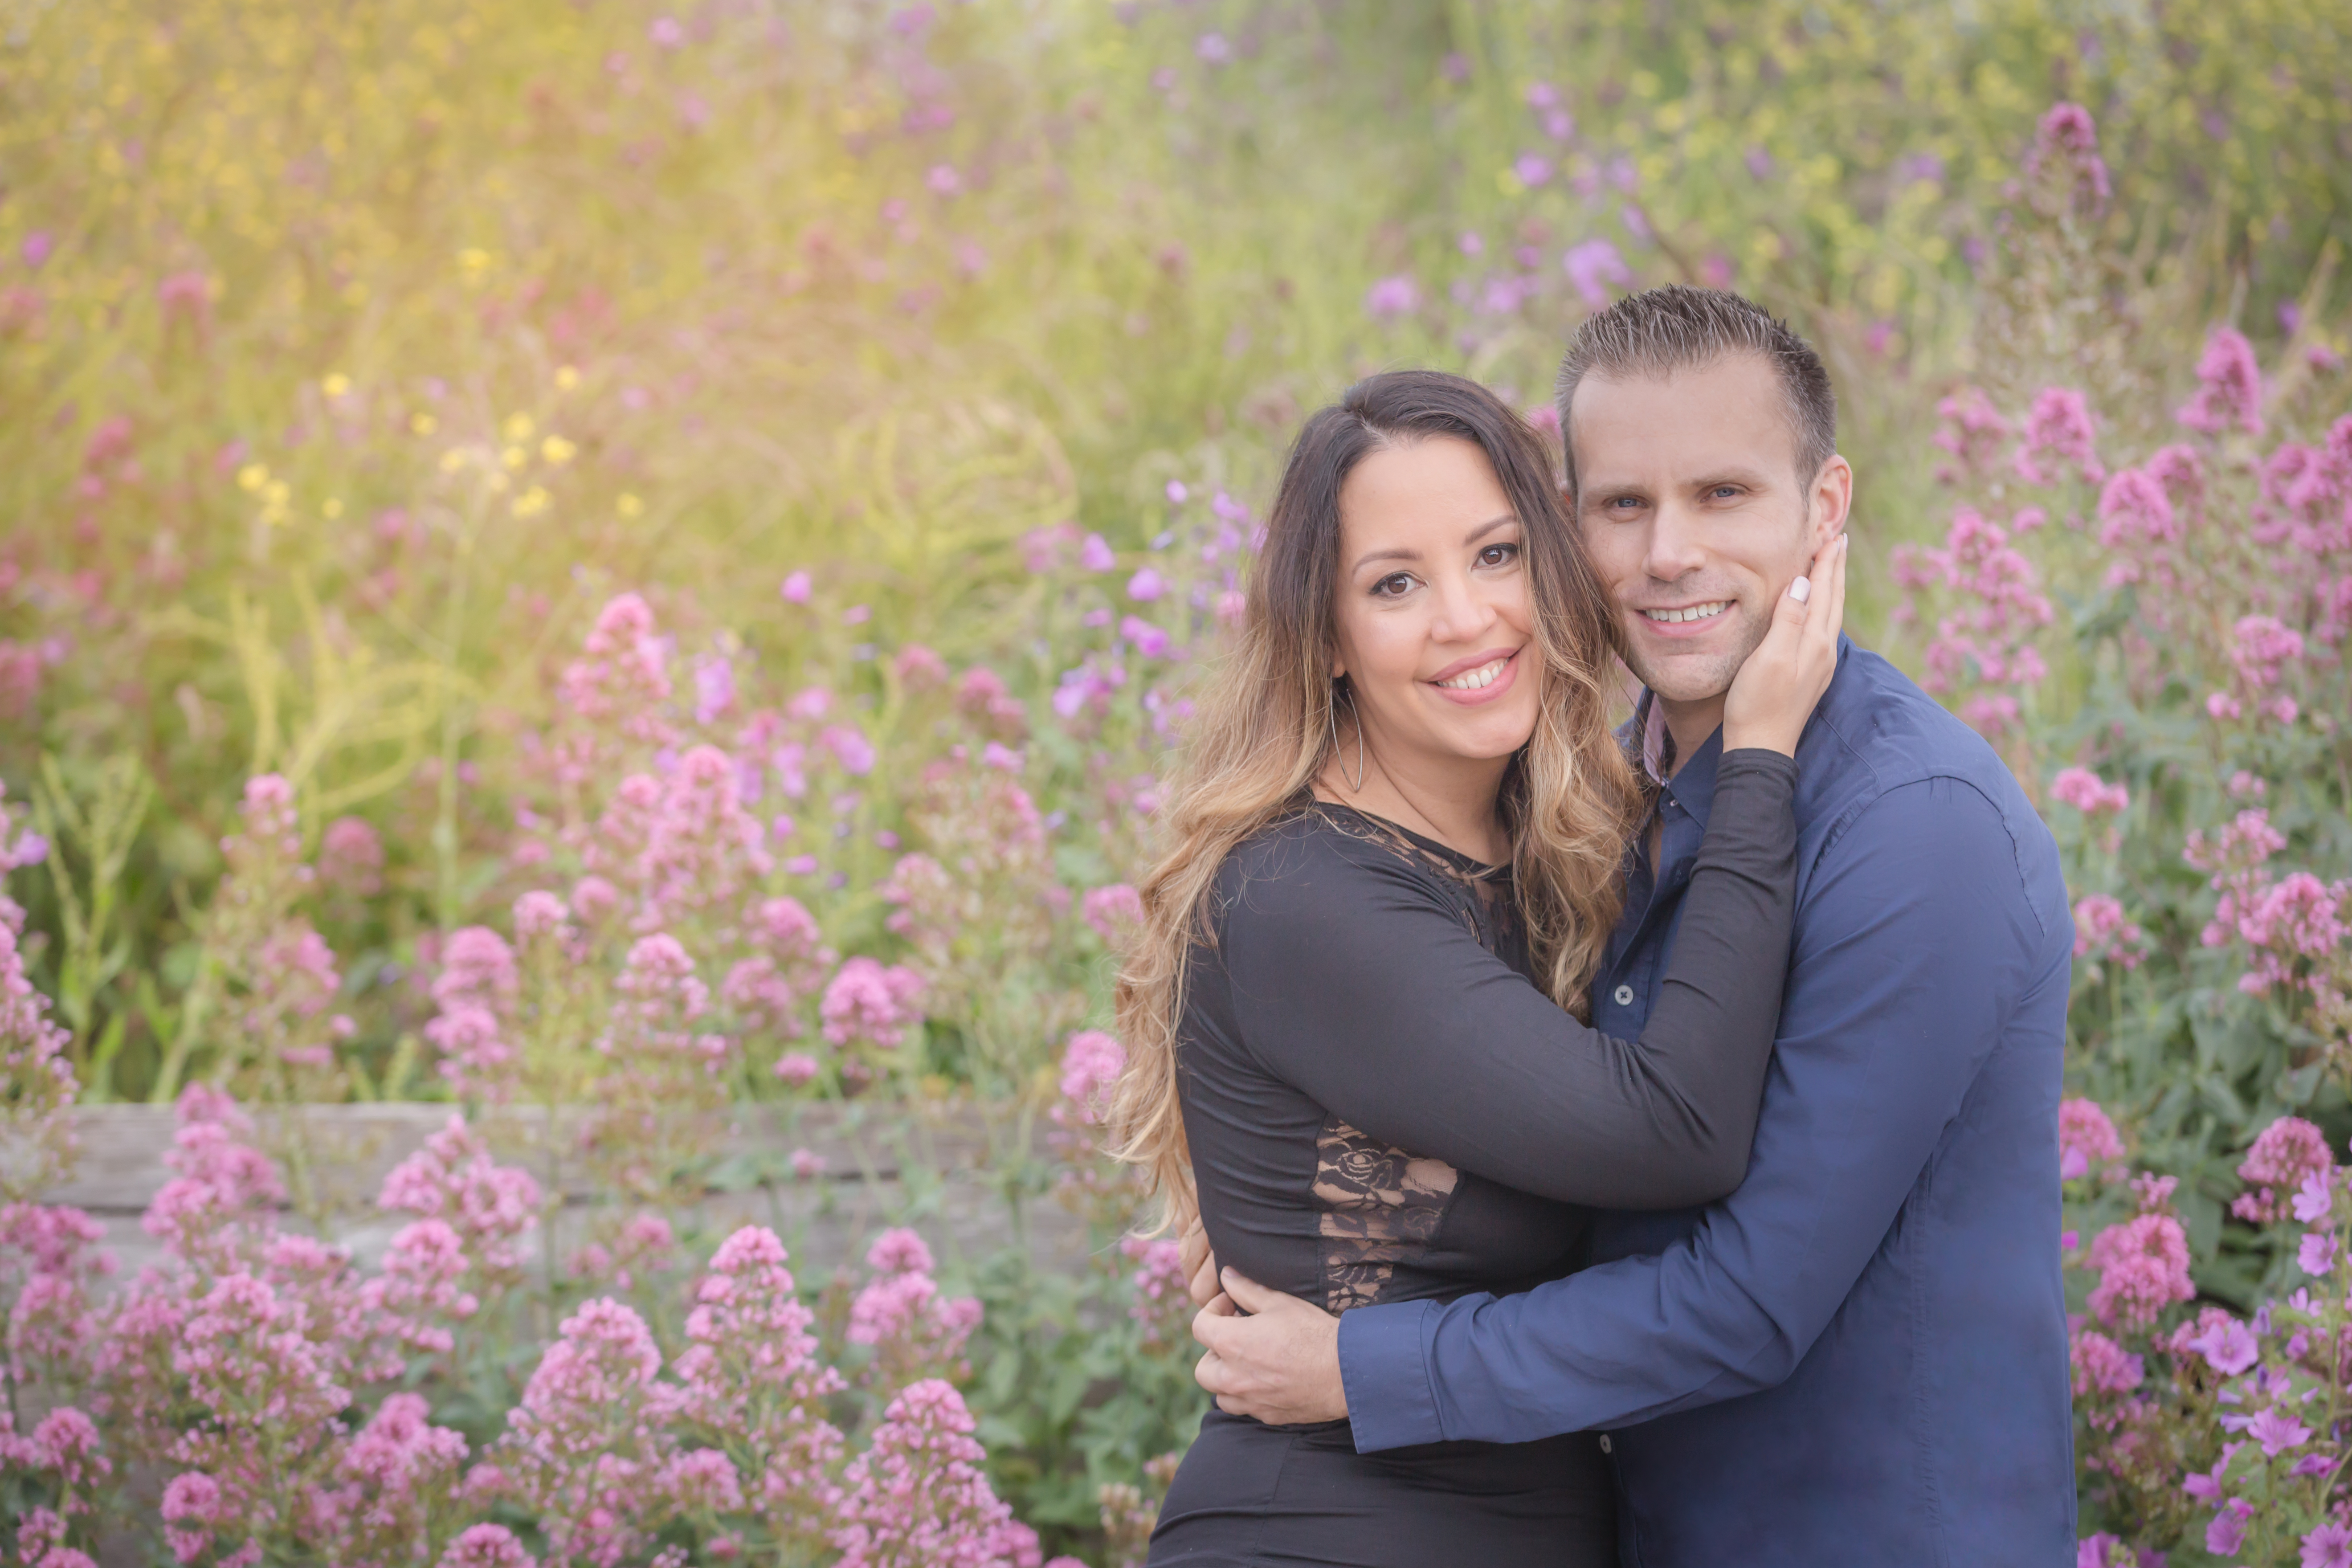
{"x": 1434, "y": 624}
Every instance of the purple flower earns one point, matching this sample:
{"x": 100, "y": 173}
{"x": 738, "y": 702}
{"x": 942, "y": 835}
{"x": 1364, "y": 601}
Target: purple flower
{"x": 1470, "y": 244}
{"x": 1145, "y": 585}
{"x": 1095, "y": 556}
{"x": 796, "y": 588}
{"x": 1150, "y": 640}
{"x": 1177, "y": 496}
{"x": 2229, "y": 1348}
{"x": 1591, "y": 267}
{"x": 1394, "y": 296}
{"x": 1533, "y": 169}
{"x": 1213, "y": 48}
{"x": 2317, "y": 1254}
{"x": 666, "y": 33}
{"x": 2227, "y": 1532}
{"x": 2315, "y": 1198}
{"x": 943, "y": 180}
{"x": 1760, "y": 162}
{"x": 36, "y": 247}
{"x": 2329, "y": 1546}
{"x": 2277, "y": 1431}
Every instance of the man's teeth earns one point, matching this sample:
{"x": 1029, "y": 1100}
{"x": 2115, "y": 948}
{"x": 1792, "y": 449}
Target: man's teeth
{"x": 1472, "y": 680}
{"x": 1695, "y": 612}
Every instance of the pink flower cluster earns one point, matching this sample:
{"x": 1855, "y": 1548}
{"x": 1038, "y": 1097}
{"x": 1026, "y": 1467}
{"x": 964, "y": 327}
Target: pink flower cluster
{"x": 1987, "y": 640}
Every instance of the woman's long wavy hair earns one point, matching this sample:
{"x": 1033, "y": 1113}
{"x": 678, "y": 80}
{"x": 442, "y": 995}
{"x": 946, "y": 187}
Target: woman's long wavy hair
{"x": 1268, "y": 725}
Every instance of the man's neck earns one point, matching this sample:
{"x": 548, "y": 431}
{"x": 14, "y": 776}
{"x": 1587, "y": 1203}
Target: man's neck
{"x": 1690, "y": 723}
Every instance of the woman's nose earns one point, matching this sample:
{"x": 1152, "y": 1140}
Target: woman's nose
{"x": 1463, "y": 611}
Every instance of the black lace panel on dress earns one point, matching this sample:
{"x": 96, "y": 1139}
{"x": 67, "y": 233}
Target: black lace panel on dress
{"x": 1379, "y": 1204}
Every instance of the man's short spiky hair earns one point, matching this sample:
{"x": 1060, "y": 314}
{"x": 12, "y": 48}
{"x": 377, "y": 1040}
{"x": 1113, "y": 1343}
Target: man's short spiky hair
{"x": 1654, "y": 333}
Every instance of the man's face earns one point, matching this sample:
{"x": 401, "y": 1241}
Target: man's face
{"x": 1693, "y": 512}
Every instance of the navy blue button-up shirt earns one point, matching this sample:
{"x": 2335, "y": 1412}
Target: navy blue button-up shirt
{"x": 1860, "y": 1356}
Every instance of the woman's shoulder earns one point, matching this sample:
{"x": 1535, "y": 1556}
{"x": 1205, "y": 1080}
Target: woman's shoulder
{"x": 1309, "y": 853}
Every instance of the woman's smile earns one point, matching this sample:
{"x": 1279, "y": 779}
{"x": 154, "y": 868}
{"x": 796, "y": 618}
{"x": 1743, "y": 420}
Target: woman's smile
{"x": 1481, "y": 678}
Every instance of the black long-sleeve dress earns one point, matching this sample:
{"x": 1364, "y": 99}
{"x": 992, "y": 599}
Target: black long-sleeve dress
{"x": 1384, "y": 1106}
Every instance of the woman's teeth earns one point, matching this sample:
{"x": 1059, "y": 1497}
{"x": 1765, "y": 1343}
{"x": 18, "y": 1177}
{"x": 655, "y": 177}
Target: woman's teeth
{"x": 1472, "y": 680}
{"x": 1695, "y": 612}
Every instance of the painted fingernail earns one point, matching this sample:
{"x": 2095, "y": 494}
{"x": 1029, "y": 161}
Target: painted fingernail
{"x": 1801, "y": 589}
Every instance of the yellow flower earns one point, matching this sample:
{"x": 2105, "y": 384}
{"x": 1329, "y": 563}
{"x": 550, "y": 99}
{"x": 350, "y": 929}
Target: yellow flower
{"x": 557, "y": 451}
{"x": 566, "y": 378}
{"x": 333, "y": 509}
{"x": 453, "y": 459}
{"x": 531, "y": 502}
{"x": 252, "y": 476}
{"x": 423, "y": 424}
{"x": 336, "y": 385}
{"x": 628, "y": 505}
{"x": 519, "y": 427}
{"x": 514, "y": 456}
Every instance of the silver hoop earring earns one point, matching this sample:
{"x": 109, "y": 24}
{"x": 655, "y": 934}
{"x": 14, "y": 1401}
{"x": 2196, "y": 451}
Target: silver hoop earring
{"x": 1331, "y": 717}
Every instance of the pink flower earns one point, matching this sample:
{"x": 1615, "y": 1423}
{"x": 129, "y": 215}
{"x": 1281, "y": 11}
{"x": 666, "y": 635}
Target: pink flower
{"x": 899, "y": 1251}
{"x": 1392, "y": 297}
{"x": 1095, "y": 556}
{"x": 2100, "y": 930}
{"x": 1112, "y": 911}
{"x": 796, "y": 1068}
{"x": 2329, "y": 1546}
{"x": 2144, "y": 1268}
{"x": 2059, "y": 427}
{"x": 2101, "y": 1367}
{"x": 1145, "y": 585}
{"x": 2276, "y": 1431}
{"x": 350, "y": 857}
{"x": 2229, "y": 386}
{"x": 2286, "y": 1155}
{"x": 1091, "y": 1063}
{"x": 916, "y": 1498}
{"x": 1592, "y": 269}
{"x": 2087, "y": 793}
{"x": 2317, "y": 1255}
{"x": 865, "y": 1001}
{"x": 2085, "y": 1137}
{"x": 2227, "y": 1346}
{"x": 2225, "y": 1533}
{"x": 486, "y": 1546}
{"x": 2315, "y": 1199}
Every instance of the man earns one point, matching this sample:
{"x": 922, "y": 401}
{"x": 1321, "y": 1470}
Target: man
{"x": 1859, "y": 1357}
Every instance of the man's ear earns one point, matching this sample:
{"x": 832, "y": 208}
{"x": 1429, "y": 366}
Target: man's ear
{"x": 1831, "y": 502}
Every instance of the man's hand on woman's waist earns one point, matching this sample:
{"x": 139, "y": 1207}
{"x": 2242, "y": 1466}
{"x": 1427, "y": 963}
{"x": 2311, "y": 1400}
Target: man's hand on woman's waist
{"x": 1279, "y": 1363}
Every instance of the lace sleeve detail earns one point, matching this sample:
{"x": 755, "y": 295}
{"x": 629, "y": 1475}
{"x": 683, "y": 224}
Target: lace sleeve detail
{"x": 1378, "y": 1206}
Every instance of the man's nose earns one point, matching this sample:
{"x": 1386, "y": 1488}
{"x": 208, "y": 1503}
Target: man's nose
{"x": 1675, "y": 546}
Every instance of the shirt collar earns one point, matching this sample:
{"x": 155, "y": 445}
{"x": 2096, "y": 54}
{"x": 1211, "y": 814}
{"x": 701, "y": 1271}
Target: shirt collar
{"x": 1693, "y": 786}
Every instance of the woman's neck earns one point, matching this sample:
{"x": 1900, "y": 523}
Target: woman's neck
{"x": 1449, "y": 799}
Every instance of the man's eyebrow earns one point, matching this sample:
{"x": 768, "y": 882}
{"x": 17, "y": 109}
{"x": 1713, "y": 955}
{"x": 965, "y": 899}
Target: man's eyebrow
{"x": 1754, "y": 478}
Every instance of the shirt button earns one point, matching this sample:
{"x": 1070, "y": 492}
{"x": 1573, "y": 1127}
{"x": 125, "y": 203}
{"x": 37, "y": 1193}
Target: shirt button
{"x": 1605, "y": 1444}
{"x": 1623, "y": 996}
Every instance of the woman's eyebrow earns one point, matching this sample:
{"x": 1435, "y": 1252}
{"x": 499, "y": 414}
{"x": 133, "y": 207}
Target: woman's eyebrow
{"x": 1506, "y": 521}
{"x": 1396, "y": 552}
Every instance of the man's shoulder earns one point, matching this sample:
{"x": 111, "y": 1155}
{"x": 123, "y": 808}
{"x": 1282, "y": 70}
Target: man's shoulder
{"x": 1886, "y": 758}
{"x": 1877, "y": 732}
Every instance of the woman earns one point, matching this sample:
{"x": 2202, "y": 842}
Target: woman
{"x": 1352, "y": 1024}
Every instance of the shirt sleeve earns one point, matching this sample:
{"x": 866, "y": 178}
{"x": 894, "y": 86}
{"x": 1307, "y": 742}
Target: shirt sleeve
{"x": 1920, "y": 939}
{"x": 1354, "y": 979}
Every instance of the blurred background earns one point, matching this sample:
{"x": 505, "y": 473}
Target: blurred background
{"x": 490, "y": 484}
{"x": 350, "y": 357}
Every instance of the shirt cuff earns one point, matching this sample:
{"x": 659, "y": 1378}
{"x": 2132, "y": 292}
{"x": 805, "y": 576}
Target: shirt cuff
{"x": 1384, "y": 1367}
